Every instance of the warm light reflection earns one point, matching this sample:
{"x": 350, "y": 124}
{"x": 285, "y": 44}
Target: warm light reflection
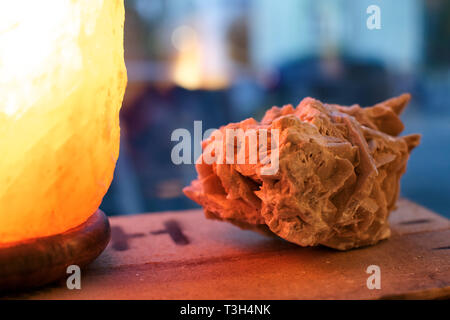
{"x": 193, "y": 67}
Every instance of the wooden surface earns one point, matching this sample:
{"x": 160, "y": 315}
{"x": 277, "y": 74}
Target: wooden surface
{"x": 40, "y": 261}
{"x": 181, "y": 255}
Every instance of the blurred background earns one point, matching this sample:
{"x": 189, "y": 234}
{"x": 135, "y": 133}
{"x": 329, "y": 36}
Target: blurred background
{"x": 222, "y": 61}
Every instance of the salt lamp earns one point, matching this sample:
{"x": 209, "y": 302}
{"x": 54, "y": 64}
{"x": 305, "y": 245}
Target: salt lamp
{"x": 62, "y": 81}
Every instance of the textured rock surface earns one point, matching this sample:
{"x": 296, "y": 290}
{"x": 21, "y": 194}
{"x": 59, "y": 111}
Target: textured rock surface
{"x": 62, "y": 80}
{"x": 338, "y": 177}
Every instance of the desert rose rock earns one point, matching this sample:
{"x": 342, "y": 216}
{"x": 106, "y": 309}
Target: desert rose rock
{"x": 337, "y": 180}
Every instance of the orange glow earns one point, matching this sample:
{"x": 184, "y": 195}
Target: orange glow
{"x": 62, "y": 80}
{"x": 190, "y": 69}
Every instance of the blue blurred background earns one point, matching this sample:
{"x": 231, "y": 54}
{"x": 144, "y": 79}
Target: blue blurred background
{"x": 221, "y": 61}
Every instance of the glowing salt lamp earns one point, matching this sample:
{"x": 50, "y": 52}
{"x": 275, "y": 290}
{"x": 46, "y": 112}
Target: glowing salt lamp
{"x": 62, "y": 80}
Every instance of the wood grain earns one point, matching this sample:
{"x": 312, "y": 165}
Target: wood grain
{"x": 182, "y": 255}
{"x": 40, "y": 261}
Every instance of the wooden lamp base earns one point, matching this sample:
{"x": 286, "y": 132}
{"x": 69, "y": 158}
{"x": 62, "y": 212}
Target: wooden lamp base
{"x": 40, "y": 261}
